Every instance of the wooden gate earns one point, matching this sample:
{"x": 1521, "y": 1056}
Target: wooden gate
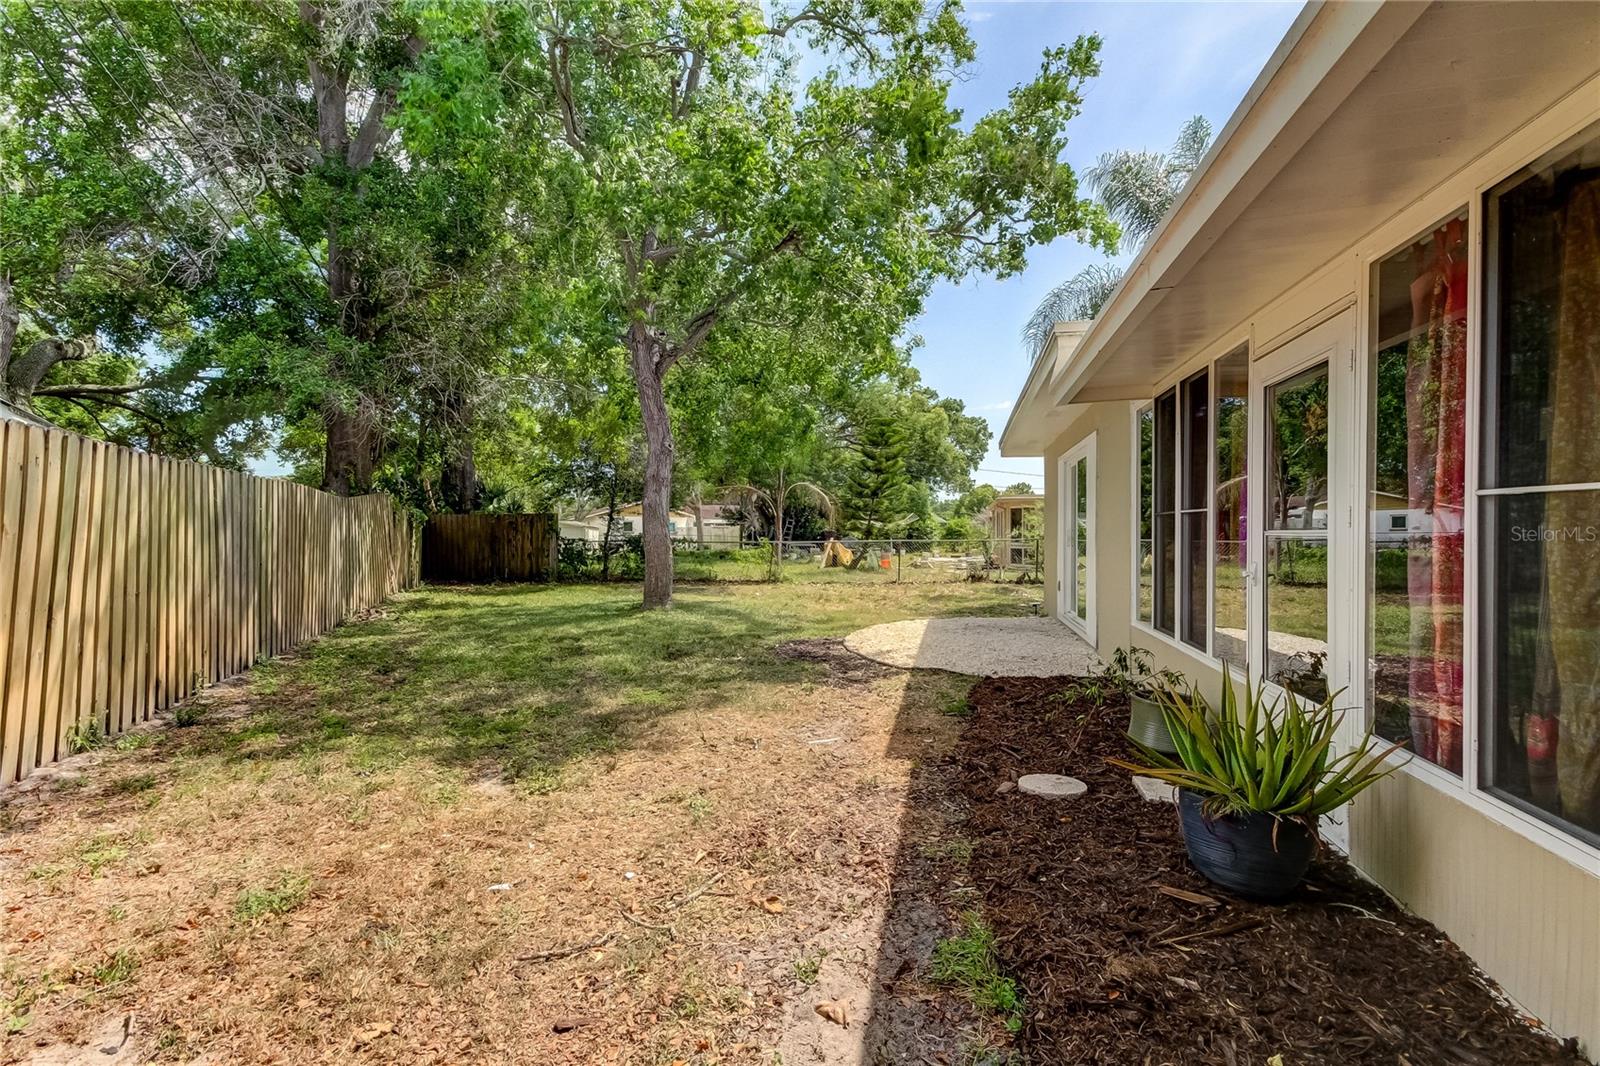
{"x": 489, "y": 547}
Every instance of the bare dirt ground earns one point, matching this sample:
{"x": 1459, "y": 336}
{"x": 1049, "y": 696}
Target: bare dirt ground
{"x": 689, "y": 894}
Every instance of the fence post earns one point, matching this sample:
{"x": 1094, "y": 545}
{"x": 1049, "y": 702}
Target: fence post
{"x": 898, "y": 548}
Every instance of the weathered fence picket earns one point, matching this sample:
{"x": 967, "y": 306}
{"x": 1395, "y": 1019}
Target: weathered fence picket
{"x": 127, "y": 580}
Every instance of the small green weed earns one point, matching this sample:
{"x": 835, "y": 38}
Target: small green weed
{"x": 281, "y": 897}
{"x": 968, "y": 960}
{"x": 85, "y": 736}
{"x": 99, "y": 852}
{"x": 956, "y": 849}
{"x": 115, "y": 970}
{"x": 132, "y": 783}
{"x": 957, "y": 707}
{"x": 699, "y": 805}
{"x": 187, "y": 714}
{"x": 133, "y": 741}
{"x": 807, "y": 968}
{"x": 48, "y": 872}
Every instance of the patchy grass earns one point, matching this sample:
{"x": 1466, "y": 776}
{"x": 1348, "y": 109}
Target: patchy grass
{"x": 280, "y": 897}
{"x": 968, "y": 960}
{"x": 468, "y": 779}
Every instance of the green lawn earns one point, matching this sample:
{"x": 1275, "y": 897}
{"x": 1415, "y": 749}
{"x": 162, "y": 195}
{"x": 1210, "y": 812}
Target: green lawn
{"x": 529, "y": 678}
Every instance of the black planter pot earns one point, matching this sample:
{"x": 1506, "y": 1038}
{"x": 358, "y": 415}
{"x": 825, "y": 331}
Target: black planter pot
{"x": 1237, "y": 852}
{"x": 1148, "y": 726}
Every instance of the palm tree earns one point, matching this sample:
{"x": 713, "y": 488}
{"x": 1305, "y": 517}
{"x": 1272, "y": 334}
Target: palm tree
{"x": 1137, "y": 189}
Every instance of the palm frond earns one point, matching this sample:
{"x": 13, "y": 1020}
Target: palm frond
{"x": 1079, "y": 297}
{"x": 1189, "y": 149}
{"x": 1134, "y": 187}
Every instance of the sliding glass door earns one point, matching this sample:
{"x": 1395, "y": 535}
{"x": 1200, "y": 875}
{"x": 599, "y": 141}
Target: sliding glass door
{"x": 1302, "y": 561}
{"x": 1075, "y": 585}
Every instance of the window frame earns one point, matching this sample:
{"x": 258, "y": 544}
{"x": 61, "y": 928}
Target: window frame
{"x": 1084, "y": 451}
{"x": 1242, "y": 340}
{"x": 1136, "y": 413}
{"x": 1183, "y": 560}
{"x": 1557, "y": 126}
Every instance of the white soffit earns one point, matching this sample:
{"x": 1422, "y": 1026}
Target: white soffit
{"x": 1369, "y": 109}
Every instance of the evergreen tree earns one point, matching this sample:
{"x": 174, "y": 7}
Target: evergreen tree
{"x": 878, "y": 491}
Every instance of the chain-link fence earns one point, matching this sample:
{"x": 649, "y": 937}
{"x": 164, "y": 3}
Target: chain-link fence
{"x": 847, "y": 559}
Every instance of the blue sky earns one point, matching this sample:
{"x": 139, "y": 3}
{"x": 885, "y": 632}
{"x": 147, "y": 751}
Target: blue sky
{"x": 1160, "y": 64}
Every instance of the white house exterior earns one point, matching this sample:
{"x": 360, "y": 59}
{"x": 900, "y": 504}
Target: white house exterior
{"x": 1378, "y": 297}
{"x": 714, "y": 524}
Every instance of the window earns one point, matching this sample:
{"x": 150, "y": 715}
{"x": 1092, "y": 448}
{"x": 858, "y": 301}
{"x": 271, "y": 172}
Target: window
{"x": 1539, "y": 500}
{"x": 1076, "y": 603}
{"x": 1418, "y": 463}
{"x": 1296, "y": 532}
{"x": 1193, "y": 550}
{"x": 1166, "y": 518}
{"x": 1230, "y": 630}
{"x": 1147, "y": 512}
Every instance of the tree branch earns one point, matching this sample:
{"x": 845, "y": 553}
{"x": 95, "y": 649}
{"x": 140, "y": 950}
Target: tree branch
{"x": 373, "y": 133}
{"x": 700, "y": 325}
{"x": 91, "y": 390}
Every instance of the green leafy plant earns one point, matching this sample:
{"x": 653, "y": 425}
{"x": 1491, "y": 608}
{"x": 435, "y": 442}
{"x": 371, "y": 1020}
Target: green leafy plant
{"x": 1258, "y": 755}
{"x": 1128, "y": 672}
{"x": 85, "y": 736}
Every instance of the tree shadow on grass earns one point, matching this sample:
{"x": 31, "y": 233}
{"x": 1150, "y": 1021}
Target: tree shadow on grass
{"x": 518, "y": 681}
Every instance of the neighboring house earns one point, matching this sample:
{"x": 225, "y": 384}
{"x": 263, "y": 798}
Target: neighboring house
{"x": 716, "y": 524}
{"x": 587, "y": 530}
{"x": 1389, "y": 260}
{"x": 1003, "y": 520}
{"x": 629, "y": 522}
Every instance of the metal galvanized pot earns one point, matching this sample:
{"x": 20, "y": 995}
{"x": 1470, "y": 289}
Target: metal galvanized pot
{"x": 1148, "y": 727}
{"x": 1238, "y": 852}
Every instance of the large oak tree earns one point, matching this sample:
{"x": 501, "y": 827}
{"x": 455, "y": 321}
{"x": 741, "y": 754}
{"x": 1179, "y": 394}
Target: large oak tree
{"x": 727, "y": 187}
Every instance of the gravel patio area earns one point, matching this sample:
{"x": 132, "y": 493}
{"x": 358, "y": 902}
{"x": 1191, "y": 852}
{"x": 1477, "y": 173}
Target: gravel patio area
{"x": 980, "y": 647}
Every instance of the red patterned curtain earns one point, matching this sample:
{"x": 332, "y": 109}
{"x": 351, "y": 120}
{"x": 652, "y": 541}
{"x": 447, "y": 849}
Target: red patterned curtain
{"x": 1436, "y": 414}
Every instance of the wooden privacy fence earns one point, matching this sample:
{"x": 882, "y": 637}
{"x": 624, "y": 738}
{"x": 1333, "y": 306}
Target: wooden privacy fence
{"x": 128, "y": 580}
{"x": 489, "y": 547}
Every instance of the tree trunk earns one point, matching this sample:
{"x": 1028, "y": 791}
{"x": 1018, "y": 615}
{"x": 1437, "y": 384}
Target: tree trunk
{"x": 350, "y": 453}
{"x": 611, "y": 521}
{"x": 9, "y": 317}
{"x": 777, "y": 538}
{"x": 458, "y": 473}
{"x": 658, "y": 454}
{"x": 459, "y": 478}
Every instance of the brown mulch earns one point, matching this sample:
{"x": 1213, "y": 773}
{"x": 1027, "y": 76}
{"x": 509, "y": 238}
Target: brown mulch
{"x": 1116, "y": 971}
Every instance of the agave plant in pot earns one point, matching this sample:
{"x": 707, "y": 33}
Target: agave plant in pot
{"x": 1253, "y": 776}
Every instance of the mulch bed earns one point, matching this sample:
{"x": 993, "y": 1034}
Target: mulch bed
{"x": 1116, "y": 971}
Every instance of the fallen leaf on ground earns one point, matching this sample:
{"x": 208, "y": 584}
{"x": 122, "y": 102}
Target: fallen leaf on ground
{"x": 836, "y": 1011}
{"x": 569, "y": 1022}
{"x": 772, "y": 905}
{"x": 373, "y": 1032}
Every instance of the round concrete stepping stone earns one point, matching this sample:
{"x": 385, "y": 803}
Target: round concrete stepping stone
{"x": 1051, "y": 786}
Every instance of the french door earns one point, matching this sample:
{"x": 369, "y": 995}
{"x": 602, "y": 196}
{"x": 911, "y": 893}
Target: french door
{"x": 1075, "y": 584}
{"x": 1305, "y": 563}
